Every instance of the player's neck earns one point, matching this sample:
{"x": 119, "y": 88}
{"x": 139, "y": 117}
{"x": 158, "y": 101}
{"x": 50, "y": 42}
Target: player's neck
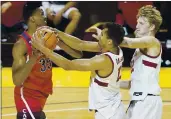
{"x": 151, "y": 34}
{"x": 115, "y": 50}
{"x": 31, "y": 30}
{"x": 112, "y": 50}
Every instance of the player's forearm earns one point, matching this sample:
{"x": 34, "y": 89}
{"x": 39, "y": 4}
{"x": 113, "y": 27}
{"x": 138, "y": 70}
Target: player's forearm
{"x": 68, "y": 5}
{"x": 21, "y": 74}
{"x": 71, "y": 41}
{"x": 143, "y": 42}
{"x": 125, "y": 84}
{"x": 124, "y": 44}
{"x": 72, "y": 52}
{"x": 56, "y": 58}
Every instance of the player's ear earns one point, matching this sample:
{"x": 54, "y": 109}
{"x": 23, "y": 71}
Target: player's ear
{"x": 152, "y": 27}
{"x": 109, "y": 41}
{"x": 32, "y": 19}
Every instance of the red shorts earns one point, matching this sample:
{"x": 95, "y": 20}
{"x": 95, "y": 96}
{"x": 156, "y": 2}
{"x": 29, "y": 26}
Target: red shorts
{"x": 29, "y": 102}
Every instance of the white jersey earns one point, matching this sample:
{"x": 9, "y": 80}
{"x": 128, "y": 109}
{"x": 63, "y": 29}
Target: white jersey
{"x": 145, "y": 75}
{"x": 104, "y": 92}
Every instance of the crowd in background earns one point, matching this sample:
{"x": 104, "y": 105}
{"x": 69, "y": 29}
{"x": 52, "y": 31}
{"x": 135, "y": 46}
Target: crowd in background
{"x": 83, "y": 16}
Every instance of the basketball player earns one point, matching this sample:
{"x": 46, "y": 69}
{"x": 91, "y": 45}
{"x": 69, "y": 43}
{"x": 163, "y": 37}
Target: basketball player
{"x": 145, "y": 102}
{"x": 55, "y": 10}
{"x": 31, "y": 71}
{"x": 104, "y": 94}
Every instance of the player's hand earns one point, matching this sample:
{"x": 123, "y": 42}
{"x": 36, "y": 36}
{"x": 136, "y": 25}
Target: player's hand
{"x": 50, "y": 14}
{"x": 98, "y": 31}
{"x": 37, "y": 40}
{"x": 36, "y": 52}
{"x": 48, "y": 27}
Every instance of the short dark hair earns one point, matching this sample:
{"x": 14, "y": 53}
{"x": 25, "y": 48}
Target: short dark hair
{"x": 29, "y": 9}
{"x": 115, "y": 32}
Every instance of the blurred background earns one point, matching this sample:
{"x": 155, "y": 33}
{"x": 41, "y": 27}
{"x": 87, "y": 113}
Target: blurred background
{"x": 124, "y": 13}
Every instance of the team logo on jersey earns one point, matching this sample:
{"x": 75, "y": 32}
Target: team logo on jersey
{"x": 24, "y": 114}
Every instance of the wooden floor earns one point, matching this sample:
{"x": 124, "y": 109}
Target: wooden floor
{"x": 71, "y": 103}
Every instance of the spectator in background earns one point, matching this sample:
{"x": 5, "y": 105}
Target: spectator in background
{"x": 5, "y": 7}
{"x": 121, "y": 20}
{"x": 12, "y": 22}
{"x": 55, "y": 11}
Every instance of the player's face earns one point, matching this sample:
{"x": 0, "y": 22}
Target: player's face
{"x": 142, "y": 27}
{"x": 103, "y": 38}
{"x": 40, "y": 18}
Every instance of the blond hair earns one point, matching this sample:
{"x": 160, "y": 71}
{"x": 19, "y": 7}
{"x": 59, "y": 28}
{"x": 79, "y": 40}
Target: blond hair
{"x": 152, "y": 14}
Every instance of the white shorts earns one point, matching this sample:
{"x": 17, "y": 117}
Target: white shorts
{"x": 120, "y": 113}
{"x": 149, "y": 108}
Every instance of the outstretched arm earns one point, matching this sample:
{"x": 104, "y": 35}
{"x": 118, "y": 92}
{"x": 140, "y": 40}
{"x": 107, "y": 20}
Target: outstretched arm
{"x": 77, "y": 43}
{"x": 144, "y": 42}
{"x": 69, "y": 50}
{"x": 96, "y": 63}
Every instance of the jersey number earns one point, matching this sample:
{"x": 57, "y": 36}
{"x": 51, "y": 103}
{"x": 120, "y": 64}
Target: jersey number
{"x": 46, "y": 64}
{"x": 119, "y": 74}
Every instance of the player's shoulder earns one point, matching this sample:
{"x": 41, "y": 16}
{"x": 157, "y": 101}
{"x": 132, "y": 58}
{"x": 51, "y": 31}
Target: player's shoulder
{"x": 20, "y": 45}
{"x": 19, "y": 42}
{"x": 157, "y": 42}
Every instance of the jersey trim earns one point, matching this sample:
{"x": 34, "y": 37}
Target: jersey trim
{"x": 149, "y": 64}
{"x": 100, "y": 83}
{"x": 110, "y": 72}
{"x": 26, "y": 104}
{"x": 152, "y": 56}
{"x": 27, "y": 38}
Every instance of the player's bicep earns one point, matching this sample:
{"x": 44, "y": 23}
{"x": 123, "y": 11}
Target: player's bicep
{"x": 96, "y": 63}
{"x": 19, "y": 59}
{"x": 144, "y": 42}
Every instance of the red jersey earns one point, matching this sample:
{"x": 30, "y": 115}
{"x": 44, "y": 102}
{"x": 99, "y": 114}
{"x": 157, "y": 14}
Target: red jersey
{"x": 40, "y": 77}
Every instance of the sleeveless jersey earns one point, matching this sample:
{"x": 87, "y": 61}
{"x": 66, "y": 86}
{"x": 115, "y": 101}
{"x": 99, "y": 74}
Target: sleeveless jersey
{"x": 104, "y": 92}
{"x": 40, "y": 77}
{"x": 145, "y": 75}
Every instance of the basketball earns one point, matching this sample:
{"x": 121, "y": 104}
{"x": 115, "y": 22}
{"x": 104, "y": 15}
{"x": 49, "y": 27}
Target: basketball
{"x": 50, "y": 38}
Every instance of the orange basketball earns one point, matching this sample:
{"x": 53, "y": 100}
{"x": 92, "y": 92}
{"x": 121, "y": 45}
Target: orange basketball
{"x": 50, "y": 38}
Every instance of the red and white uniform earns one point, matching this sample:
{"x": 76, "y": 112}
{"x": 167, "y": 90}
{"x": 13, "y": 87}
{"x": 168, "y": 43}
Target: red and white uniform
{"x": 145, "y": 89}
{"x": 104, "y": 92}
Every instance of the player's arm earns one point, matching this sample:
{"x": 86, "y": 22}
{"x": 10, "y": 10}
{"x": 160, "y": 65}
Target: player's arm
{"x": 96, "y": 63}
{"x": 125, "y": 84}
{"x": 91, "y": 29}
{"x": 21, "y": 69}
{"x": 69, "y": 5}
{"x": 144, "y": 42}
{"x": 77, "y": 43}
{"x": 69, "y": 50}
{"x": 5, "y": 6}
